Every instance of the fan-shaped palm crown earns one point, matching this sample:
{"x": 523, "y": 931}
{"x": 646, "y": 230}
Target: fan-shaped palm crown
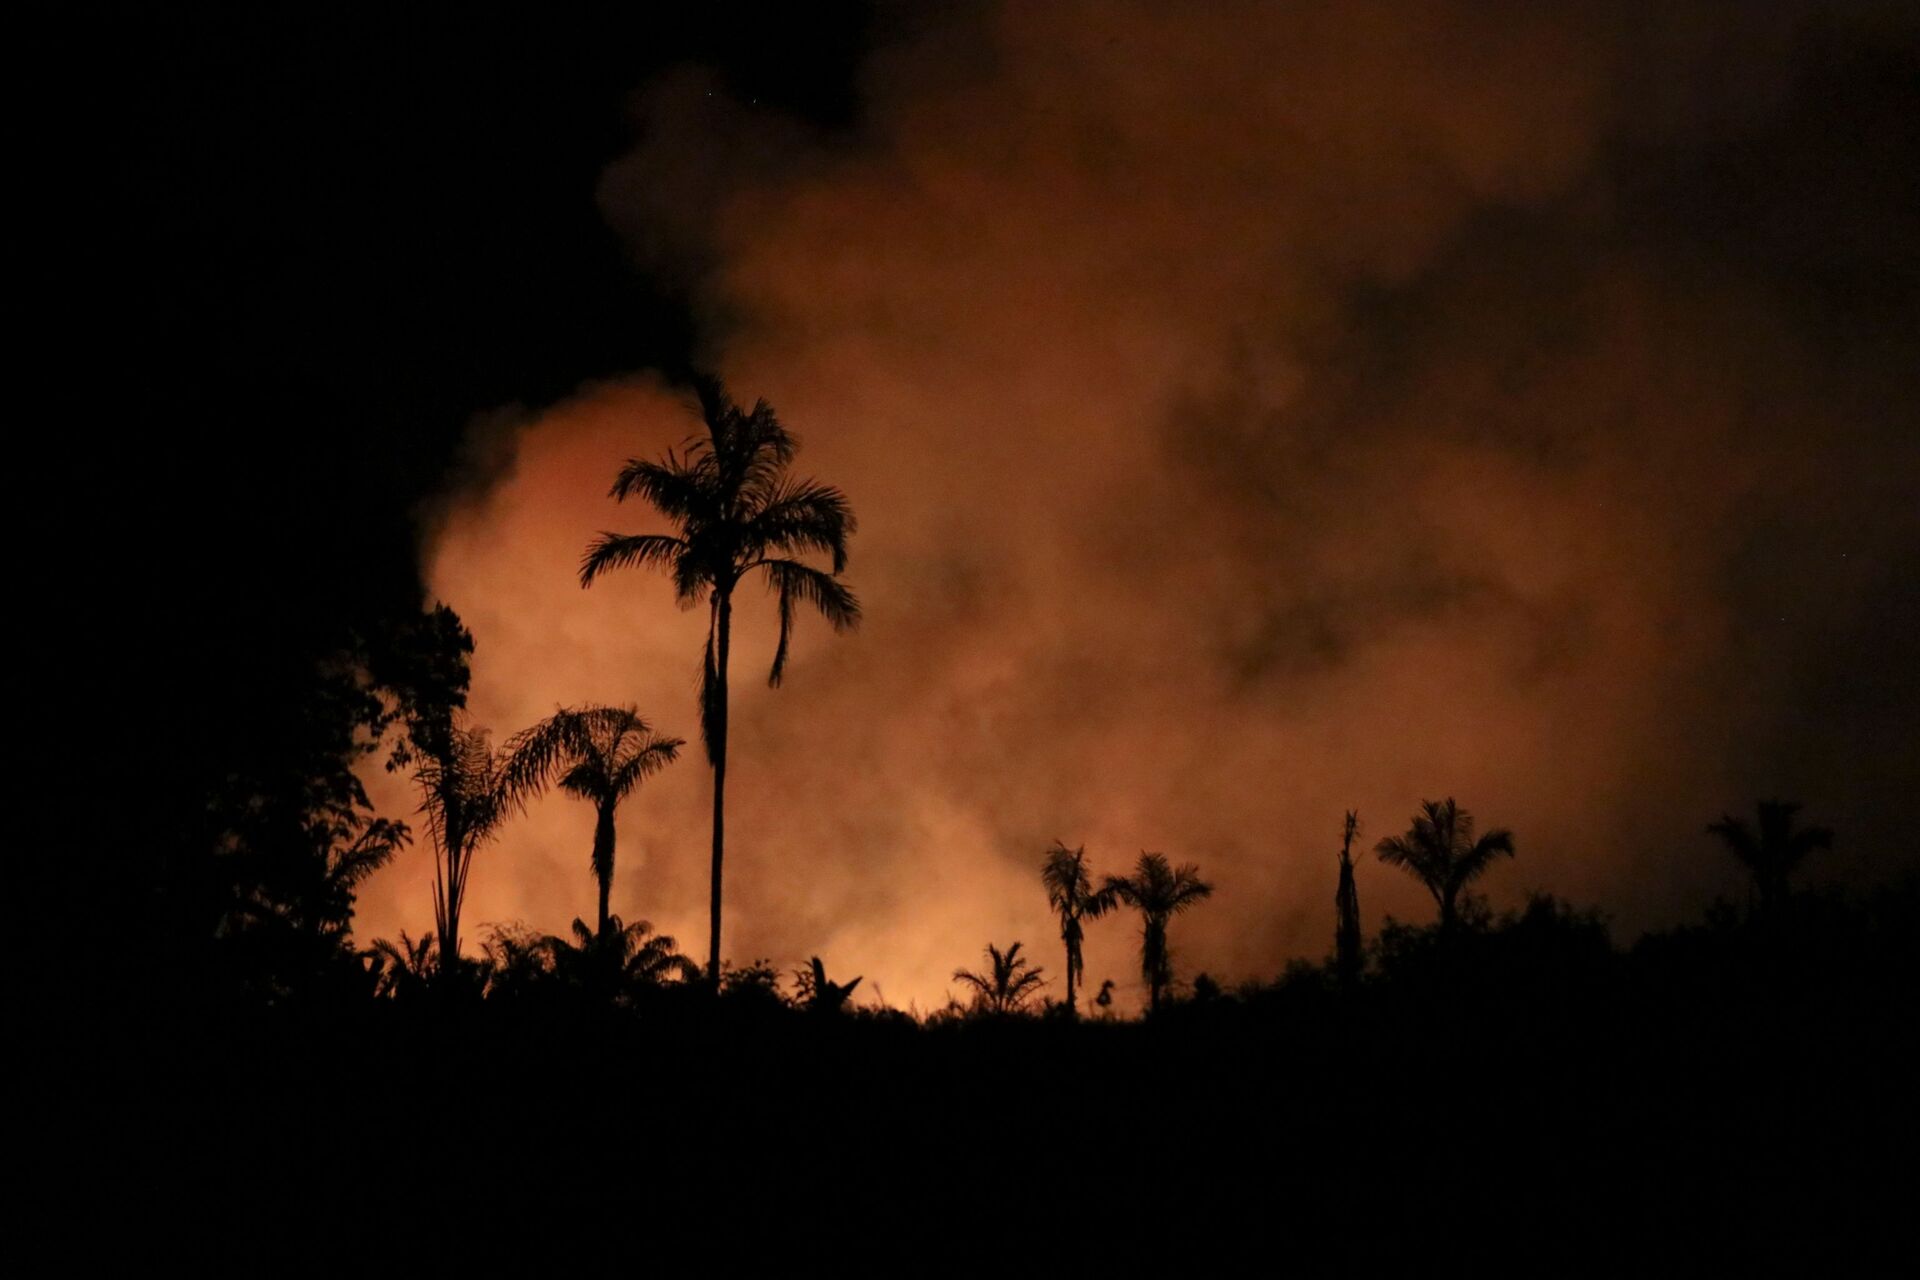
{"x": 1071, "y": 894}
{"x": 1158, "y": 892}
{"x": 1441, "y": 851}
{"x": 1009, "y": 982}
{"x": 598, "y": 754}
{"x": 1775, "y": 851}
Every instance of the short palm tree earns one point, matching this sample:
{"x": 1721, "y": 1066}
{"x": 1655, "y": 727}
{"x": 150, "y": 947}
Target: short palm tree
{"x": 468, "y": 791}
{"x": 1009, "y": 982}
{"x": 1772, "y": 853}
{"x": 1071, "y": 894}
{"x": 1440, "y": 850}
{"x": 597, "y": 754}
{"x": 819, "y": 993}
{"x": 404, "y": 970}
{"x": 1158, "y": 892}
{"x": 737, "y": 513}
{"x": 618, "y": 958}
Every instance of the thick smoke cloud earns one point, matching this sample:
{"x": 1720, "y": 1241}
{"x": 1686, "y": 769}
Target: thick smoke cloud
{"x": 1253, "y": 412}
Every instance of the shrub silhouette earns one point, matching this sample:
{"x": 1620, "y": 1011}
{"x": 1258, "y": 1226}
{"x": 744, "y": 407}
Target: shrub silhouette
{"x": 817, "y": 993}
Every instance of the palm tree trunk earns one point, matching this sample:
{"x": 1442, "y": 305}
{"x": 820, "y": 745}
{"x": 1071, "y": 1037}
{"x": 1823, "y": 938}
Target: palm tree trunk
{"x": 1346, "y": 931}
{"x": 1154, "y": 966}
{"x": 723, "y": 626}
{"x": 448, "y": 903}
{"x": 1070, "y": 1009}
{"x": 603, "y": 860}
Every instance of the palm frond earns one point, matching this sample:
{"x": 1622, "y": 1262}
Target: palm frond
{"x": 645, "y": 550}
{"x": 1739, "y": 839}
{"x": 643, "y": 762}
{"x": 1497, "y": 843}
{"x": 673, "y": 486}
{"x": 796, "y": 583}
{"x": 799, "y": 516}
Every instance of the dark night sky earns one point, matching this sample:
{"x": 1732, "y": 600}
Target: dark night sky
{"x": 1665, "y": 275}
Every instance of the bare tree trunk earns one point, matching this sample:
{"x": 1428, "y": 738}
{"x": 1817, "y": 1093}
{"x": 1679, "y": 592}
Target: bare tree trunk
{"x": 723, "y": 623}
{"x": 448, "y": 902}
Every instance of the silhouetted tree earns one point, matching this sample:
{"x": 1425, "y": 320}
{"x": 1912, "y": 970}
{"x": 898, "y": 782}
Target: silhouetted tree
{"x": 1441, "y": 852}
{"x": 467, "y": 791}
{"x": 1009, "y": 982}
{"x": 1348, "y": 949}
{"x": 736, "y": 512}
{"x": 289, "y": 834}
{"x": 1071, "y": 894}
{"x": 1775, "y": 850}
{"x": 597, "y": 754}
{"x": 1158, "y": 892}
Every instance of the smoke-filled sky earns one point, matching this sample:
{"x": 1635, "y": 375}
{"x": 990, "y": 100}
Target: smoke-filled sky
{"x": 1253, "y": 412}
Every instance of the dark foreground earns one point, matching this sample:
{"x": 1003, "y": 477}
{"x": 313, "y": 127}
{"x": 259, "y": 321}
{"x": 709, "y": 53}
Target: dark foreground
{"x": 1524, "y": 1099}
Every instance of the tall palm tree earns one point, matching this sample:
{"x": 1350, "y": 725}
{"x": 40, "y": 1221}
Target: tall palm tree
{"x": 597, "y": 754}
{"x": 1071, "y": 894}
{"x": 468, "y": 791}
{"x": 1439, "y": 849}
{"x": 1009, "y": 982}
{"x": 1158, "y": 892}
{"x": 1347, "y": 953}
{"x": 736, "y": 512}
{"x": 1772, "y": 853}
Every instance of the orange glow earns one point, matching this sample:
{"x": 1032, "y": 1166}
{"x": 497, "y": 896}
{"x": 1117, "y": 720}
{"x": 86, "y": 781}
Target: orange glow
{"x": 1167, "y": 541}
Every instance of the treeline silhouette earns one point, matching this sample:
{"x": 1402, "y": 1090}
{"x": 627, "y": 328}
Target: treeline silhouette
{"x": 1511, "y": 1087}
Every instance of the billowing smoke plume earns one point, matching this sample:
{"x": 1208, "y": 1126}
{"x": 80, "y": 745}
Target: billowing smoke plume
{"x": 1255, "y": 412}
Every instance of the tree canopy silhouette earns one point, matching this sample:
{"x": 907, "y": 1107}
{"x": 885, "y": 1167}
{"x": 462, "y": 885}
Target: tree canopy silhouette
{"x": 1439, "y": 850}
{"x": 597, "y": 754}
{"x": 736, "y": 512}
{"x": 1158, "y": 892}
{"x": 286, "y": 836}
{"x": 1009, "y": 982}
{"x": 1071, "y": 894}
{"x": 1775, "y": 850}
